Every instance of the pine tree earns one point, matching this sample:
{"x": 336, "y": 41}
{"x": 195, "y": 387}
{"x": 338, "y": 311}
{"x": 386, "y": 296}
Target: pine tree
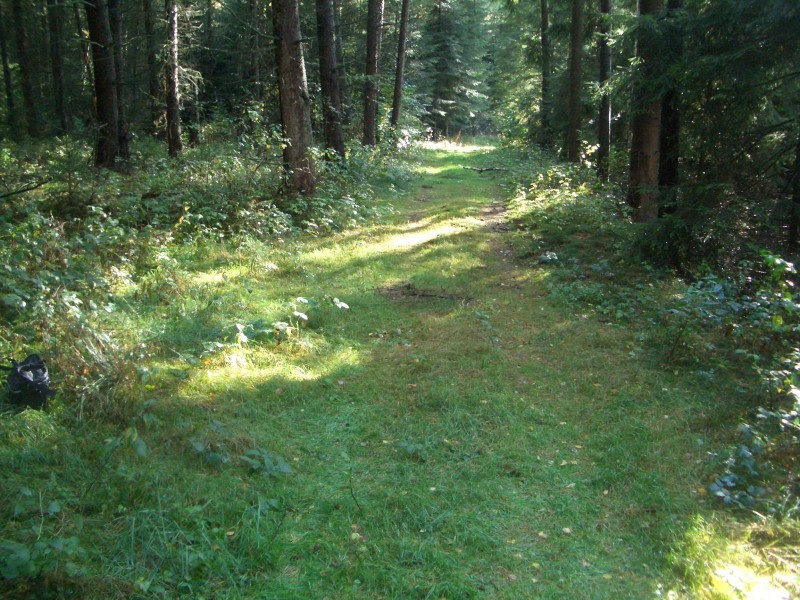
{"x": 174, "y": 142}
{"x": 643, "y": 191}
{"x": 402, "y": 38}
{"x": 107, "y": 148}
{"x": 329, "y": 77}
{"x": 26, "y": 70}
{"x": 372, "y": 71}
{"x": 575, "y": 74}
{"x": 10, "y": 106}
{"x": 294, "y": 99}
{"x": 604, "y": 114}
{"x": 55, "y": 19}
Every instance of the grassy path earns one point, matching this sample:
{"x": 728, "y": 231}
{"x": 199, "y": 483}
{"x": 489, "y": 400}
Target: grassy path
{"x": 454, "y": 434}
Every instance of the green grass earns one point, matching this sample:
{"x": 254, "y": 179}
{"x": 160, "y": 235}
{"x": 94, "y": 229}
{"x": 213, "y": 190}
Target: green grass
{"x": 458, "y": 432}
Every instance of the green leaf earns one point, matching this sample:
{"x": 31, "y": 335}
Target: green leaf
{"x": 14, "y": 300}
{"x": 15, "y": 560}
{"x": 140, "y": 447}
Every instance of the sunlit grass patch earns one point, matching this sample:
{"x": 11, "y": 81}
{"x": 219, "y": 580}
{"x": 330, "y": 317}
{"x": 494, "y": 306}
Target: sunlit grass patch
{"x": 722, "y": 558}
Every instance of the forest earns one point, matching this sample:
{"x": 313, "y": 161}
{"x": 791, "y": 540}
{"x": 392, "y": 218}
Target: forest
{"x": 400, "y": 299}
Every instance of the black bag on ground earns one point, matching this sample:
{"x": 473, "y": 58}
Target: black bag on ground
{"x": 28, "y": 383}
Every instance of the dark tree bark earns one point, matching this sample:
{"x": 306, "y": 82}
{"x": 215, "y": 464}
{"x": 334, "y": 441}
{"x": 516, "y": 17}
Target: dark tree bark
{"x": 604, "y": 115}
{"x": 55, "y": 28}
{"x": 401, "y": 63}
{"x": 153, "y": 78}
{"x": 86, "y": 57}
{"x": 118, "y": 35}
{"x": 107, "y": 148}
{"x": 294, "y": 100}
{"x": 11, "y": 108}
{"x": 344, "y": 89}
{"x": 794, "y": 208}
{"x": 194, "y": 110}
{"x": 174, "y": 143}
{"x": 646, "y": 130}
{"x": 668, "y": 172}
{"x": 575, "y": 74}
{"x": 329, "y": 77}
{"x": 253, "y": 76}
{"x": 374, "y": 31}
{"x": 26, "y": 70}
{"x": 546, "y": 135}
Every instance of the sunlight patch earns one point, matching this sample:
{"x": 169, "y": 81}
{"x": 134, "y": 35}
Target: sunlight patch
{"x": 740, "y": 582}
{"x": 410, "y": 240}
{"x": 214, "y": 277}
{"x": 455, "y": 147}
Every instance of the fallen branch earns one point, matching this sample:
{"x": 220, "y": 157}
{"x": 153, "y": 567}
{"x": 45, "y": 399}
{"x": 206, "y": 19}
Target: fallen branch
{"x": 22, "y": 190}
{"x": 484, "y": 169}
{"x": 409, "y": 290}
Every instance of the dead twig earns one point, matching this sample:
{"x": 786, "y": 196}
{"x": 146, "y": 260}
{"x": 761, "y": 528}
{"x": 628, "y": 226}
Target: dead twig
{"x": 485, "y": 169}
{"x": 22, "y": 190}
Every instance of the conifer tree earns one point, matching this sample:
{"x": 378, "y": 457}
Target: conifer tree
{"x": 329, "y": 77}
{"x": 294, "y": 99}
{"x": 372, "y": 71}
{"x": 643, "y": 191}
{"x": 575, "y": 74}
{"x": 107, "y": 148}
{"x": 174, "y": 143}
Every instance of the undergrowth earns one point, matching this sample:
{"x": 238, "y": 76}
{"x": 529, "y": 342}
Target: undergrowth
{"x": 742, "y": 323}
{"x": 95, "y": 280}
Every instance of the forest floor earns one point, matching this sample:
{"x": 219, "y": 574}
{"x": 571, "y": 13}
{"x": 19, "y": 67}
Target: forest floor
{"x": 453, "y": 432}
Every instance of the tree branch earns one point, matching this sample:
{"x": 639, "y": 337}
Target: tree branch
{"x": 22, "y": 190}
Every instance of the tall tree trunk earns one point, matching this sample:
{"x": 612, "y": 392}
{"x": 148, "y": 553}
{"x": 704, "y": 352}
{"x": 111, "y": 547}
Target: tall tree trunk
{"x": 344, "y": 89}
{"x": 645, "y": 129}
{"x": 107, "y": 148}
{"x": 86, "y": 57}
{"x": 604, "y": 115}
{"x": 546, "y": 135}
{"x": 11, "y": 108}
{"x": 153, "y": 78}
{"x": 55, "y": 20}
{"x": 329, "y": 77}
{"x": 254, "y": 50}
{"x": 575, "y": 74}
{"x": 668, "y": 173}
{"x": 118, "y": 35}
{"x": 794, "y": 208}
{"x": 294, "y": 100}
{"x": 401, "y": 63}
{"x": 374, "y": 31}
{"x": 194, "y": 109}
{"x": 26, "y": 70}
{"x": 174, "y": 143}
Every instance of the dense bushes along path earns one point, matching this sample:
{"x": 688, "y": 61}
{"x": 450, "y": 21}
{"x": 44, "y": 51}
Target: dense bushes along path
{"x": 422, "y": 422}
